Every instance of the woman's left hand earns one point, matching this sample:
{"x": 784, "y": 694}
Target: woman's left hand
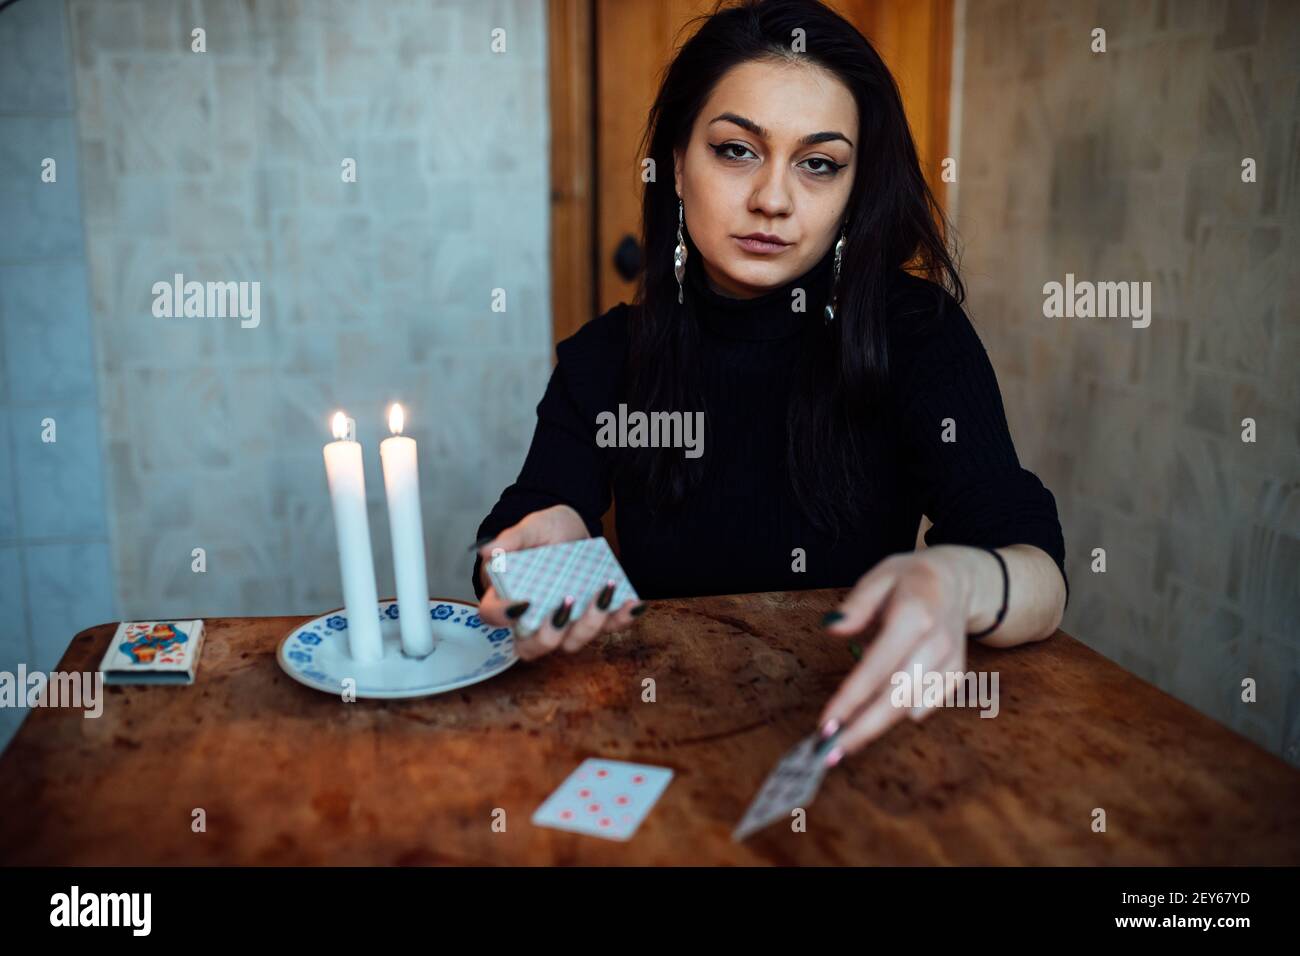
{"x": 917, "y": 602}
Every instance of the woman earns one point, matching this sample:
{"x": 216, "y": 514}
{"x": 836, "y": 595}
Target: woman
{"x": 842, "y": 396}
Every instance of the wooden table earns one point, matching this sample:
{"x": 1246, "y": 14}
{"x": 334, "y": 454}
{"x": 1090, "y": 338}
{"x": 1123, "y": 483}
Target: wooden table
{"x": 287, "y": 775}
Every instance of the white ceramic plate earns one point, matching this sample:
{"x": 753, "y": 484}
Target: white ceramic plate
{"x": 466, "y": 651}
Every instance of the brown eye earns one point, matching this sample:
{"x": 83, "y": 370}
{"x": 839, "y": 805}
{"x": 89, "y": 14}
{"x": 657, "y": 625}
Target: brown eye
{"x": 827, "y": 168}
{"x": 724, "y": 151}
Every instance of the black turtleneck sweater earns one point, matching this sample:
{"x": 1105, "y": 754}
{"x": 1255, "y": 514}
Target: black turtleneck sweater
{"x": 740, "y": 527}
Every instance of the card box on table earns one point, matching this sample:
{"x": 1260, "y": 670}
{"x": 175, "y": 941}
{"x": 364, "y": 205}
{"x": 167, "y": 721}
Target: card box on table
{"x": 153, "y": 652}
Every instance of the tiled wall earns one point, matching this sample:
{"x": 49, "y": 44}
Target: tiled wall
{"x": 1126, "y": 165}
{"x": 226, "y": 166}
{"x": 55, "y": 569}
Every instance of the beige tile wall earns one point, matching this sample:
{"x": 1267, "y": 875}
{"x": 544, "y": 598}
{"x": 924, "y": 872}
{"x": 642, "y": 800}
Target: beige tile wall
{"x": 1126, "y": 165}
{"x": 225, "y": 165}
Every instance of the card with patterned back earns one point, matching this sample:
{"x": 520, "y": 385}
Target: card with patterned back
{"x": 545, "y": 576}
{"x": 793, "y": 784}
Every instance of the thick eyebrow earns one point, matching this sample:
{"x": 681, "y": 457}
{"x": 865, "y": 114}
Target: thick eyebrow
{"x": 812, "y": 139}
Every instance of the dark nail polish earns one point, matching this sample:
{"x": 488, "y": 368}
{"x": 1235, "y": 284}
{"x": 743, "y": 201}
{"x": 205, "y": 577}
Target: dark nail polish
{"x": 639, "y": 609}
{"x": 856, "y": 650}
{"x": 606, "y": 595}
{"x": 516, "y": 611}
{"x": 561, "y": 616}
{"x": 480, "y": 542}
{"x": 831, "y": 617}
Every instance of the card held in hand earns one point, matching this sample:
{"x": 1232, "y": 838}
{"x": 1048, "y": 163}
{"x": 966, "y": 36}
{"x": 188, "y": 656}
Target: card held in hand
{"x": 794, "y": 783}
{"x": 153, "y": 652}
{"x": 545, "y": 576}
{"x": 604, "y": 798}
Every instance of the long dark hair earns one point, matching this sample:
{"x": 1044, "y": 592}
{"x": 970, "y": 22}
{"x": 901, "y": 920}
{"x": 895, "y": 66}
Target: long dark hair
{"x": 891, "y": 223}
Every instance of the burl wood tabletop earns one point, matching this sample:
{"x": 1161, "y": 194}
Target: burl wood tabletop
{"x": 288, "y": 775}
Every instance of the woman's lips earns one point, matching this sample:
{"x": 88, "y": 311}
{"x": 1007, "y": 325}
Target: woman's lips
{"x": 760, "y": 246}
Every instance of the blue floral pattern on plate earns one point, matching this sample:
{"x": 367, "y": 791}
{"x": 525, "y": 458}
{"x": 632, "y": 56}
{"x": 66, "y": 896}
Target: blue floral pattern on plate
{"x": 315, "y": 653}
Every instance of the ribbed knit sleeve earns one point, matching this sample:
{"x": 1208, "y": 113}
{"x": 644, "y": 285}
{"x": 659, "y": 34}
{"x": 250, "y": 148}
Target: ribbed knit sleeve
{"x": 564, "y": 465}
{"x": 972, "y": 487}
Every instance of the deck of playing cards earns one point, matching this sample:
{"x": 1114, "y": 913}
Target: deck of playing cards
{"x": 153, "y": 652}
{"x": 604, "y": 798}
{"x": 545, "y": 576}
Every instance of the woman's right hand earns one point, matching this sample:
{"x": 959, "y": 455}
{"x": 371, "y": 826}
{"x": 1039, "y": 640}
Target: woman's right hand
{"x": 552, "y": 525}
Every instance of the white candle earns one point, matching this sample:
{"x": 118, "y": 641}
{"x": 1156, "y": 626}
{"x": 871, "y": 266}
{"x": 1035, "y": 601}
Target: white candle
{"x": 402, "y": 486}
{"x": 347, "y": 481}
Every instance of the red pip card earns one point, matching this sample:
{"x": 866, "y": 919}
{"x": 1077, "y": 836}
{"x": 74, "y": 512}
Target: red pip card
{"x": 604, "y": 798}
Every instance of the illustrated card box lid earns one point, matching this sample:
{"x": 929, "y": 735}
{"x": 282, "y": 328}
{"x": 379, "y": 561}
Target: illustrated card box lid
{"x": 153, "y": 652}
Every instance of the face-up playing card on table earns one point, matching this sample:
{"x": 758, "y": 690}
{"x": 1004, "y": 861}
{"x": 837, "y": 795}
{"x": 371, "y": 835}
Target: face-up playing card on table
{"x": 604, "y": 798}
{"x": 545, "y": 576}
{"x": 794, "y": 783}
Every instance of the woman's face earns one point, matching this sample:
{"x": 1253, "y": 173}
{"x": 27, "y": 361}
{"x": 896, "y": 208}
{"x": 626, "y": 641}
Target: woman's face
{"x": 747, "y": 169}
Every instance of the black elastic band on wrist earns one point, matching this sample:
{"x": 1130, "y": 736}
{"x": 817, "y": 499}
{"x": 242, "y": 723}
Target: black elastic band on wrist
{"x": 1006, "y": 594}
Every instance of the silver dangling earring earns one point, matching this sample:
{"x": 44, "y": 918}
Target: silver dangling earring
{"x": 679, "y": 253}
{"x": 835, "y": 279}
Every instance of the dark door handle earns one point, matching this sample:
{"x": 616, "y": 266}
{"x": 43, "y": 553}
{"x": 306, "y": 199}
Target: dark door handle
{"x": 627, "y": 258}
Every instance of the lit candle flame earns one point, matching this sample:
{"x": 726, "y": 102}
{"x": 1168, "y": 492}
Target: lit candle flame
{"x": 340, "y": 426}
{"x": 396, "y": 419}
